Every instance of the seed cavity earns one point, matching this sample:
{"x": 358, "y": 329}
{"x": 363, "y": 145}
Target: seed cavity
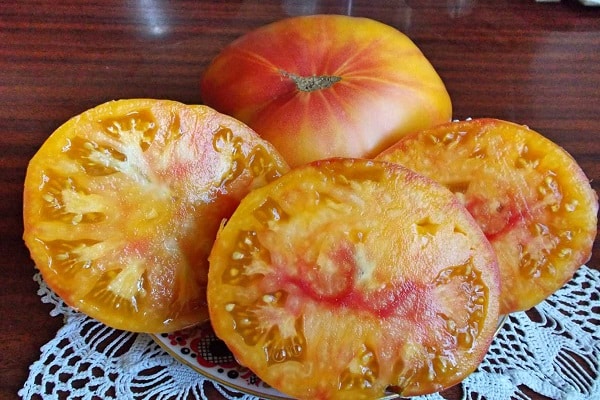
{"x": 247, "y": 260}
{"x": 269, "y": 212}
{"x": 139, "y": 127}
{"x": 266, "y": 322}
{"x": 476, "y": 292}
{"x": 571, "y": 205}
{"x": 548, "y": 244}
{"x": 362, "y": 370}
{"x": 262, "y": 165}
{"x": 231, "y": 146}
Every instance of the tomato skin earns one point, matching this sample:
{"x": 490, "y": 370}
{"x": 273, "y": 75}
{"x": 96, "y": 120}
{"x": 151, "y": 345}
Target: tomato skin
{"x": 529, "y": 196}
{"x": 122, "y": 203}
{"x": 387, "y": 87}
{"x": 346, "y": 277}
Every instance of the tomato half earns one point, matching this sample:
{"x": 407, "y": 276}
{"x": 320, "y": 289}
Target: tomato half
{"x": 327, "y": 86}
{"x": 122, "y": 204}
{"x": 530, "y": 197}
{"x": 345, "y": 277}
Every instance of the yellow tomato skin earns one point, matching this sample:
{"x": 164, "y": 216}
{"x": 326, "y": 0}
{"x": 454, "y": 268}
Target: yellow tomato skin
{"x": 386, "y": 89}
{"x": 122, "y": 203}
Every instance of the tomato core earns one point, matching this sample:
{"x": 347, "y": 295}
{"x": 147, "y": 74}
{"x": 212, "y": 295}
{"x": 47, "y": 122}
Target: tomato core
{"x": 500, "y": 220}
{"x": 311, "y": 83}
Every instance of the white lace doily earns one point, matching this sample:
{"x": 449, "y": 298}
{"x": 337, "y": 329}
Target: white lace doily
{"x": 554, "y": 350}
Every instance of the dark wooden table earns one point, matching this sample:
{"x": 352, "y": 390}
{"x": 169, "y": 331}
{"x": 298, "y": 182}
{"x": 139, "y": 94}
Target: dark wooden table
{"x": 533, "y": 63}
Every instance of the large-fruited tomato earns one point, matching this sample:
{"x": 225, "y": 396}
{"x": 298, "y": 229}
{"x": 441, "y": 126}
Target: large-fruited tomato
{"x": 530, "y": 197}
{"x": 347, "y": 277}
{"x": 327, "y": 86}
{"x": 122, "y": 204}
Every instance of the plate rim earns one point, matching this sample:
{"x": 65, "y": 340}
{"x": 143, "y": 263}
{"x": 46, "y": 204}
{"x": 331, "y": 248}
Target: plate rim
{"x": 211, "y": 377}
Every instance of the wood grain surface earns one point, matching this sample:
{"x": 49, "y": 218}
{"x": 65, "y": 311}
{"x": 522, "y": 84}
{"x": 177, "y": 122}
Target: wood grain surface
{"x": 533, "y": 63}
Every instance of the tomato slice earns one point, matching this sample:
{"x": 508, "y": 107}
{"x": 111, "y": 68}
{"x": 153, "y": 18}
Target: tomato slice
{"x": 345, "y": 277}
{"x": 529, "y": 196}
{"x": 122, "y": 204}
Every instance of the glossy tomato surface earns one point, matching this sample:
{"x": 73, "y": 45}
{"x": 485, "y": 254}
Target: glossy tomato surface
{"x": 530, "y": 197}
{"x": 345, "y": 277}
{"x": 122, "y": 204}
{"x": 327, "y": 86}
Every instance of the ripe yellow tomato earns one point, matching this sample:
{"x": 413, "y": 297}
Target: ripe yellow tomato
{"x": 530, "y": 197}
{"x": 347, "y": 277}
{"x": 327, "y": 86}
{"x": 122, "y": 203}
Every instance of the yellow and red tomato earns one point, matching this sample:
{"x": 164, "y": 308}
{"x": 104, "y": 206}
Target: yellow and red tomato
{"x": 122, "y": 204}
{"x": 530, "y": 197}
{"x": 327, "y": 85}
{"x": 347, "y": 277}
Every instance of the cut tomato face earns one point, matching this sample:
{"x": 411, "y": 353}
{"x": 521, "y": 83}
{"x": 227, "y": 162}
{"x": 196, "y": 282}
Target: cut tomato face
{"x": 347, "y": 277}
{"x": 530, "y": 197}
{"x": 122, "y": 204}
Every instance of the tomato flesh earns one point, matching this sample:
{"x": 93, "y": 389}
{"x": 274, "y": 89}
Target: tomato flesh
{"x": 531, "y": 199}
{"x": 347, "y": 277}
{"x": 122, "y": 204}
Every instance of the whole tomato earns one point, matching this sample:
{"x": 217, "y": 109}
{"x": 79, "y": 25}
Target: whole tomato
{"x": 327, "y": 85}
